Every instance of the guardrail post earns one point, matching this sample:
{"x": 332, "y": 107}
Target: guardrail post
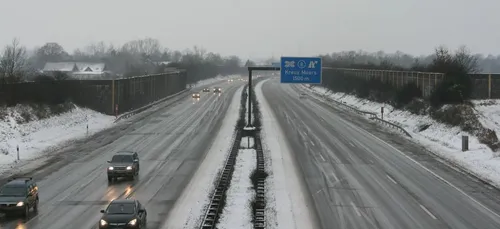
{"x": 465, "y": 143}
{"x": 18, "y": 158}
{"x": 382, "y": 113}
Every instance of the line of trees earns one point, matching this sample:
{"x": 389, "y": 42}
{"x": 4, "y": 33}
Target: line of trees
{"x": 137, "y": 57}
{"x": 455, "y": 88}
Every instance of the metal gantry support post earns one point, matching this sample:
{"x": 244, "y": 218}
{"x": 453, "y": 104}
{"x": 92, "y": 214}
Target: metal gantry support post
{"x": 249, "y": 98}
{"x": 250, "y": 69}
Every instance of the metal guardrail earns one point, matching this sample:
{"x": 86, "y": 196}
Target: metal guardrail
{"x": 259, "y": 221}
{"x": 223, "y": 182}
{"x": 373, "y": 116}
{"x": 177, "y": 96}
{"x": 392, "y": 125}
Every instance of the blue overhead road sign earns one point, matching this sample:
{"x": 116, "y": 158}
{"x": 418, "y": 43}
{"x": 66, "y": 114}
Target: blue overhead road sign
{"x": 306, "y": 70}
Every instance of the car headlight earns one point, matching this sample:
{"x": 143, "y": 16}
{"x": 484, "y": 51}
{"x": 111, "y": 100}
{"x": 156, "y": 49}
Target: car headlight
{"x": 110, "y": 168}
{"x": 132, "y": 222}
{"x": 129, "y": 167}
{"x": 20, "y": 204}
{"x": 103, "y": 222}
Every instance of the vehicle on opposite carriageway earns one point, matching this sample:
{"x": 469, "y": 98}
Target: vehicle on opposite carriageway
{"x": 19, "y": 195}
{"x": 196, "y": 95}
{"x": 123, "y": 164}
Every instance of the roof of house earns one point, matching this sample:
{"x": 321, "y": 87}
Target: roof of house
{"x": 59, "y": 66}
{"x": 94, "y": 67}
{"x": 70, "y": 66}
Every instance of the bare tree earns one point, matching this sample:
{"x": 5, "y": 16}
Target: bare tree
{"x": 13, "y": 62}
{"x": 52, "y": 52}
{"x": 464, "y": 58}
{"x": 148, "y": 46}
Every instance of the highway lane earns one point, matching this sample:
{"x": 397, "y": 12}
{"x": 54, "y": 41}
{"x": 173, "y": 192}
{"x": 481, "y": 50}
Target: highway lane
{"x": 171, "y": 142}
{"x": 359, "y": 180}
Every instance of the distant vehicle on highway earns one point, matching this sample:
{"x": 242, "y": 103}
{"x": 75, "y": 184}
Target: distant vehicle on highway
{"x": 196, "y": 95}
{"x": 217, "y": 90}
{"x": 230, "y": 80}
{"x": 302, "y": 95}
{"x": 124, "y": 213}
{"x": 123, "y": 164}
{"x": 206, "y": 89}
{"x": 19, "y": 195}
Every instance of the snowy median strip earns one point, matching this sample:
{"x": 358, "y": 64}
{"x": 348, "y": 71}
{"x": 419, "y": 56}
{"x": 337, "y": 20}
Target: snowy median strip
{"x": 191, "y": 205}
{"x": 237, "y": 213}
{"x": 286, "y": 203}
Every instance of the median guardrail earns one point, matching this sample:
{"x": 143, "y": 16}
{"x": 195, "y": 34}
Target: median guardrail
{"x": 178, "y": 95}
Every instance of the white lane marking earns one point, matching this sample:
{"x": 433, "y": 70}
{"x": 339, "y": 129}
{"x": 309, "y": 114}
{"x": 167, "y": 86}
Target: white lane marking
{"x": 416, "y": 162}
{"x": 356, "y": 209}
{"x": 350, "y": 143}
{"x": 427, "y": 211}
{"x": 426, "y": 169}
{"x": 312, "y": 143}
{"x": 393, "y": 181}
{"x": 322, "y": 158}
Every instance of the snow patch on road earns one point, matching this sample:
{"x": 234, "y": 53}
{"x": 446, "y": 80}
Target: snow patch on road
{"x": 190, "y": 207}
{"x": 37, "y": 137}
{"x": 287, "y": 207}
{"x": 237, "y": 213}
{"x": 442, "y": 140}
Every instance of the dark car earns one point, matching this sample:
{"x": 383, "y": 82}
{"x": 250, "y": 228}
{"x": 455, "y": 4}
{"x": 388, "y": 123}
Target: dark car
{"x": 217, "y": 90}
{"x": 123, "y": 164}
{"x": 206, "y": 89}
{"x": 19, "y": 195}
{"x": 124, "y": 213}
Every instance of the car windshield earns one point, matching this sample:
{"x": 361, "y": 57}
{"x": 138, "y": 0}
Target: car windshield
{"x": 121, "y": 209}
{"x": 122, "y": 158}
{"x": 13, "y": 191}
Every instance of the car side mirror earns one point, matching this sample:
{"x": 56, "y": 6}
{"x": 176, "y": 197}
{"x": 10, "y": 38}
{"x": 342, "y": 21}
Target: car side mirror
{"x": 141, "y": 211}
{"x": 109, "y": 161}
{"x": 102, "y": 211}
{"x": 136, "y": 160}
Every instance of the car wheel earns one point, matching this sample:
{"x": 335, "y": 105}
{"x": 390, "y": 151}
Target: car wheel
{"x": 35, "y": 206}
{"x": 110, "y": 179}
{"x": 26, "y": 210}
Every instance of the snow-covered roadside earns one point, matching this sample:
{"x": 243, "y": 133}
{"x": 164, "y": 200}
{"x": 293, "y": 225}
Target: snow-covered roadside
{"x": 286, "y": 206}
{"x": 237, "y": 213}
{"x": 441, "y": 139}
{"x": 190, "y": 206}
{"x": 36, "y": 137}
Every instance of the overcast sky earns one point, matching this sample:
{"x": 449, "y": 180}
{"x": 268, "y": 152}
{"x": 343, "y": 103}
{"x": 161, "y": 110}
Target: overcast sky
{"x": 259, "y": 28}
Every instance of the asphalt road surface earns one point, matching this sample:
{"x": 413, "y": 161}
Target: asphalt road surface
{"x": 171, "y": 142}
{"x": 361, "y": 175}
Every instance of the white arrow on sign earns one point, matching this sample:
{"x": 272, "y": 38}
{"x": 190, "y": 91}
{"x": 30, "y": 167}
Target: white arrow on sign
{"x": 289, "y": 64}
